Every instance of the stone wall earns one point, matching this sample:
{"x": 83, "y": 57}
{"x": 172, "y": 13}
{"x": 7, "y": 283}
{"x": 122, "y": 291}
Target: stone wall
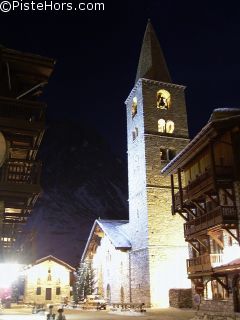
{"x": 208, "y": 315}
{"x": 217, "y": 305}
{"x": 140, "y": 288}
{"x": 180, "y": 298}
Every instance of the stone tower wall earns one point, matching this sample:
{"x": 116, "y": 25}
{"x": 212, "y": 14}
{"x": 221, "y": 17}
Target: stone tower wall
{"x": 156, "y": 236}
{"x": 138, "y": 222}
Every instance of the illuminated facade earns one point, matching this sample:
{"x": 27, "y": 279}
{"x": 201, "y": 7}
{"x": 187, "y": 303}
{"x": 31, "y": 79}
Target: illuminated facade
{"x": 22, "y": 124}
{"x": 156, "y": 132}
{"x": 48, "y": 281}
{"x": 206, "y": 194}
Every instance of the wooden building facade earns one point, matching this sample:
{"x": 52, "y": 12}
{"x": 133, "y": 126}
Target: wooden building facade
{"x": 22, "y": 124}
{"x": 205, "y": 184}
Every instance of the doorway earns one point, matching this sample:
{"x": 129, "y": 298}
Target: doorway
{"x": 48, "y": 293}
{"x": 236, "y": 292}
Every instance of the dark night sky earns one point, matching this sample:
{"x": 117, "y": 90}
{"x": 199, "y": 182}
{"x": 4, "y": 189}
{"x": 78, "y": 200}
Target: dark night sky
{"x": 97, "y": 55}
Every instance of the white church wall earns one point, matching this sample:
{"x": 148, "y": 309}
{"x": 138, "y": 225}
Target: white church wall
{"x": 112, "y": 267}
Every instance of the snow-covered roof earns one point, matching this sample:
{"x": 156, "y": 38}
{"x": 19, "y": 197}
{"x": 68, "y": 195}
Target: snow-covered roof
{"x": 112, "y": 229}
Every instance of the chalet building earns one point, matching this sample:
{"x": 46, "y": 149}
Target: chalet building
{"x": 22, "y": 124}
{"x": 48, "y": 281}
{"x": 136, "y": 259}
{"x": 205, "y": 183}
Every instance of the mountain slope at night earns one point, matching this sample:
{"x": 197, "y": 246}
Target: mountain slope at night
{"x": 81, "y": 180}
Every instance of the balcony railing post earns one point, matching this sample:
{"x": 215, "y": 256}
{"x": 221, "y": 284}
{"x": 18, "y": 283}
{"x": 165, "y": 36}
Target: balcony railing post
{"x": 173, "y": 196}
{"x": 180, "y": 188}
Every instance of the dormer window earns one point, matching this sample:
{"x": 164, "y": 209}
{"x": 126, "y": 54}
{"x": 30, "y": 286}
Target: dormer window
{"x": 163, "y": 99}
{"x": 134, "y": 107}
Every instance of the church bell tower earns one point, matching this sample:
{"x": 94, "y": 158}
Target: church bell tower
{"x": 156, "y": 131}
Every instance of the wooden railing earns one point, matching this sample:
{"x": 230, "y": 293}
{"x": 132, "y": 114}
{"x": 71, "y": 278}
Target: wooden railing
{"x": 204, "y": 263}
{"x": 20, "y": 172}
{"x": 202, "y": 182}
{"x": 219, "y": 215}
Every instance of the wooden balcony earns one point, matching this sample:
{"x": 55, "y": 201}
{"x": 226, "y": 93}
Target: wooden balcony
{"x": 20, "y": 175}
{"x": 21, "y": 109}
{"x": 22, "y": 114}
{"x": 218, "y": 216}
{"x": 204, "y": 263}
{"x": 203, "y": 183}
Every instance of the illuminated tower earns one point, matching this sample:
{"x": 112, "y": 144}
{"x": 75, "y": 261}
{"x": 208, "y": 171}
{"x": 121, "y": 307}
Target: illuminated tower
{"x": 156, "y": 131}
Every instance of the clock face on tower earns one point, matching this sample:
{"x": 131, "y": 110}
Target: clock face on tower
{"x": 163, "y": 99}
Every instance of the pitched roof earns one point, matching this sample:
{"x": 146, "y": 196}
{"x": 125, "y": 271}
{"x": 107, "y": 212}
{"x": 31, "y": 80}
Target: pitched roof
{"x": 221, "y": 119}
{"x": 112, "y": 229}
{"x": 230, "y": 266}
{"x": 152, "y": 64}
{"x": 50, "y": 257}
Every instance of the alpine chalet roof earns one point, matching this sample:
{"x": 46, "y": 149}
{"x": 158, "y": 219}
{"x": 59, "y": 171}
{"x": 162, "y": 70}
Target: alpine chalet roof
{"x": 220, "y": 120}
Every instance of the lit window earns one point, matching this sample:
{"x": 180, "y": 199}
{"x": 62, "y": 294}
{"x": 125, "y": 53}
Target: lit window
{"x": 169, "y": 126}
{"x": 163, "y": 99}
{"x": 161, "y": 125}
{"x": 134, "y": 107}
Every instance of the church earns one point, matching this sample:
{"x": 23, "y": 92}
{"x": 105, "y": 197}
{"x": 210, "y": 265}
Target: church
{"x": 139, "y": 260}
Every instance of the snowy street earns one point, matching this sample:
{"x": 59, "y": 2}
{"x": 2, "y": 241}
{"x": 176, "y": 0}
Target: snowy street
{"x": 157, "y": 314}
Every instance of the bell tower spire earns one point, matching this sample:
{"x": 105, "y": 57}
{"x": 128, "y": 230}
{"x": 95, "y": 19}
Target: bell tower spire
{"x": 152, "y": 64}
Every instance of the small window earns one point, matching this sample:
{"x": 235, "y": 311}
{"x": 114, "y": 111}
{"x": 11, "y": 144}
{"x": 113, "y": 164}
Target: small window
{"x": 169, "y": 126}
{"x": 171, "y": 154}
{"x": 163, "y": 99}
{"x": 163, "y": 154}
{"x": 38, "y": 291}
{"x": 135, "y": 134}
{"x": 134, "y": 107}
{"x": 58, "y": 291}
{"x": 161, "y": 125}
{"x": 167, "y": 154}
{"x": 49, "y": 278}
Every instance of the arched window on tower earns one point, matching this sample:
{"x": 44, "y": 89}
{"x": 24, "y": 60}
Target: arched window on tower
{"x": 134, "y": 107}
{"x": 161, "y": 125}
{"x": 169, "y": 126}
{"x": 163, "y": 99}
